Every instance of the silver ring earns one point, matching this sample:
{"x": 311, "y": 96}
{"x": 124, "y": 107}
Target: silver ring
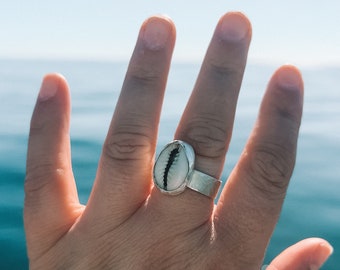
{"x": 174, "y": 171}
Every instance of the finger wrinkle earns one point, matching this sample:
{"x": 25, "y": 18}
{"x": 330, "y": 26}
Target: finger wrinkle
{"x": 209, "y": 141}
{"x": 268, "y": 169}
{"x": 224, "y": 70}
{"x": 144, "y": 75}
{"x": 284, "y": 108}
{"x": 128, "y": 146}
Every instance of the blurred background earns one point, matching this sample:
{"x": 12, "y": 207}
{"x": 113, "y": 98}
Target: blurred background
{"x": 91, "y": 43}
{"x": 301, "y": 32}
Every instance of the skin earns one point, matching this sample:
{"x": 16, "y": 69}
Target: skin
{"x": 129, "y": 224}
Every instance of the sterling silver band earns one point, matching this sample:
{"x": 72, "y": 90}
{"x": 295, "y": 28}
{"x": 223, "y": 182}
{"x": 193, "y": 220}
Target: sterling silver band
{"x": 174, "y": 171}
{"x": 203, "y": 183}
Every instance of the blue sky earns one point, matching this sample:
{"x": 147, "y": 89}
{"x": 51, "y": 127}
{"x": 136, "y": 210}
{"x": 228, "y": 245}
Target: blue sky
{"x": 292, "y": 31}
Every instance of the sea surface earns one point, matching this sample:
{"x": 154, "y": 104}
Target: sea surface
{"x": 312, "y": 207}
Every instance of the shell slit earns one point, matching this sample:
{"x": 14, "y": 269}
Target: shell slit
{"x": 171, "y": 160}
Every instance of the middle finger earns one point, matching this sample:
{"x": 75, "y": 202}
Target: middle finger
{"x": 207, "y": 121}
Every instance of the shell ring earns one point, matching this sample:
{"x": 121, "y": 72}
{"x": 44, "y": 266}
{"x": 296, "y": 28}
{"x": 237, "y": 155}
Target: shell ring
{"x": 174, "y": 171}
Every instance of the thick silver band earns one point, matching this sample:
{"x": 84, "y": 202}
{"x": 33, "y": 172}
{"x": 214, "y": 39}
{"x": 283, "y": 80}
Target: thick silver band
{"x": 203, "y": 183}
{"x": 174, "y": 171}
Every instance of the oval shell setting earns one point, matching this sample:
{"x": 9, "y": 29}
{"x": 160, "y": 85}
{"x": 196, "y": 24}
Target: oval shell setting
{"x": 173, "y": 167}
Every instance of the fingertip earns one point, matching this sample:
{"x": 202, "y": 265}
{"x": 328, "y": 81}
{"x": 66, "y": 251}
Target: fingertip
{"x": 323, "y": 251}
{"x": 286, "y": 91}
{"x": 327, "y": 247}
{"x": 310, "y": 253}
{"x": 289, "y": 77}
{"x": 234, "y": 26}
{"x": 158, "y": 31}
{"x": 50, "y": 85}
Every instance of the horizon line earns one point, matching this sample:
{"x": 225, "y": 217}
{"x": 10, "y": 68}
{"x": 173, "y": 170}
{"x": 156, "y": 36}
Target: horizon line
{"x": 176, "y": 60}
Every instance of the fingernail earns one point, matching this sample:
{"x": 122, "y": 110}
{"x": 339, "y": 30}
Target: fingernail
{"x": 156, "y": 32}
{"x": 290, "y": 77}
{"x": 325, "y": 250}
{"x": 234, "y": 27}
{"x": 48, "y": 88}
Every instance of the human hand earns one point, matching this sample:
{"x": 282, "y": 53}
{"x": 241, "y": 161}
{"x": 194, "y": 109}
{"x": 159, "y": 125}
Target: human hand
{"x": 129, "y": 224}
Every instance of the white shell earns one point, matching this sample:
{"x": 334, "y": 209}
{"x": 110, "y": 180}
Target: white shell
{"x": 173, "y": 166}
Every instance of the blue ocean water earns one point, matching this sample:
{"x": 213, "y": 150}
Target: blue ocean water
{"x": 312, "y": 207}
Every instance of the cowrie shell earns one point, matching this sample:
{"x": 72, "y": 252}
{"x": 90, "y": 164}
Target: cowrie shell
{"x": 173, "y": 167}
